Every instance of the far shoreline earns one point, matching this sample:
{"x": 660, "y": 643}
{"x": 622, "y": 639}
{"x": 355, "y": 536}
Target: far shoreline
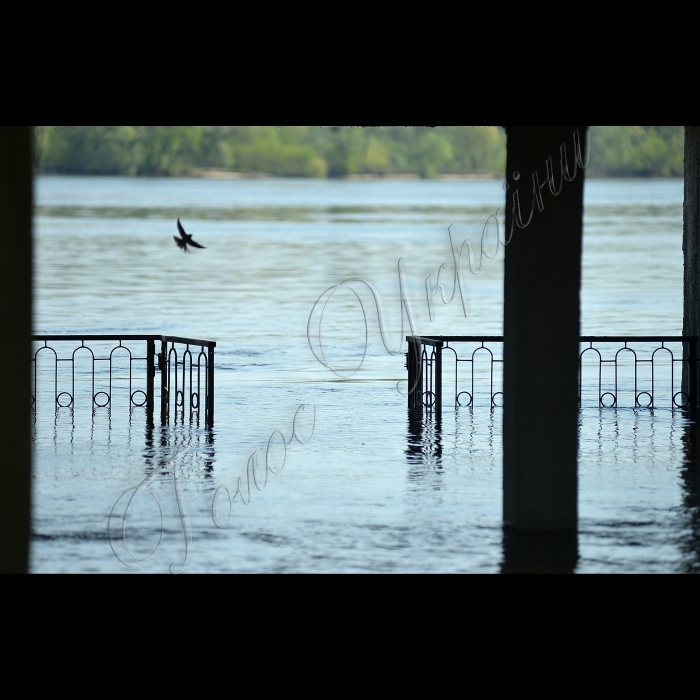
{"x": 236, "y": 175}
{"x": 231, "y": 175}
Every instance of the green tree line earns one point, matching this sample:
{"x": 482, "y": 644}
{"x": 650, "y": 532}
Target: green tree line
{"x": 616, "y": 151}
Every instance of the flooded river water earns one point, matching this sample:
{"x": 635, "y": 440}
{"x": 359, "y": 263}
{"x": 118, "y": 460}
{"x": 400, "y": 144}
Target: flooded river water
{"x": 366, "y": 493}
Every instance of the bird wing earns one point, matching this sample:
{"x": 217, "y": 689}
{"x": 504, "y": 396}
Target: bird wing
{"x": 196, "y": 245}
{"x": 180, "y": 229}
{"x": 180, "y": 243}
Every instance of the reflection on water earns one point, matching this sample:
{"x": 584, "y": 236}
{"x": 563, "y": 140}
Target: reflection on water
{"x": 117, "y": 450}
{"x": 424, "y": 440}
{"x": 643, "y": 462}
{"x": 539, "y": 552}
{"x": 690, "y": 478}
{"x": 374, "y": 490}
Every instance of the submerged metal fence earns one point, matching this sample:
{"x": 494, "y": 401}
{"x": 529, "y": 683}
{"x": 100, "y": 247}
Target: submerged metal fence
{"x": 614, "y": 371}
{"x": 185, "y": 365}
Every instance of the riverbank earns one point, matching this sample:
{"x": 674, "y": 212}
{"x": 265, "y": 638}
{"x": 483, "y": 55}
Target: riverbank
{"x": 221, "y": 174}
{"x": 213, "y": 174}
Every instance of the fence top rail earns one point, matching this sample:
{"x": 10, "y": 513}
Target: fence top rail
{"x": 162, "y": 338}
{"x": 188, "y": 341}
{"x": 638, "y": 338}
{"x": 440, "y": 339}
{"x": 457, "y": 338}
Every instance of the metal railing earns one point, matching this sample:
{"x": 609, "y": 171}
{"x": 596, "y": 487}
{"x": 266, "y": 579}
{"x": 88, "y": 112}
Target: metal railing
{"x": 614, "y": 371}
{"x": 186, "y": 383}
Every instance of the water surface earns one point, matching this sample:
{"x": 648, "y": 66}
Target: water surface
{"x": 368, "y": 493}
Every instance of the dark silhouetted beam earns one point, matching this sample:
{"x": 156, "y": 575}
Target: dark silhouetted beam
{"x": 541, "y": 329}
{"x": 15, "y": 332}
{"x": 691, "y": 256}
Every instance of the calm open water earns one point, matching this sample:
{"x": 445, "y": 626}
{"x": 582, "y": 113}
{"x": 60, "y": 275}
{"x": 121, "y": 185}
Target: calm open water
{"x": 365, "y": 494}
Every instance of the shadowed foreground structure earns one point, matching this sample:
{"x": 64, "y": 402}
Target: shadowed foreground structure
{"x": 541, "y": 345}
{"x": 690, "y": 475}
{"x": 691, "y": 245}
{"x": 15, "y": 327}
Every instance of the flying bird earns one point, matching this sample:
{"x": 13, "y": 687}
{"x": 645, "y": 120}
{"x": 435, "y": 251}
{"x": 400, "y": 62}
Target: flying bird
{"x": 185, "y": 240}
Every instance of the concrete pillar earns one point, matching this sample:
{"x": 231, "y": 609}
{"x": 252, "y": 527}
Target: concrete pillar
{"x": 541, "y": 327}
{"x": 690, "y": 505}
{"x": 691, "y": 249}
{"x": 15, "y": 340}
{"x": 690, "y": 474}
{"x": 539, "y": 551}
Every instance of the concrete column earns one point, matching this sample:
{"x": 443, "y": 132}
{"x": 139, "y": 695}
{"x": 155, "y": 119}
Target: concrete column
{"x": 541, "y": 328}
{"x": 15, "y": 340}
{"x": 691, "y": 248}
{"x": 690, "y": 505}
{"x": 539, "y": 551}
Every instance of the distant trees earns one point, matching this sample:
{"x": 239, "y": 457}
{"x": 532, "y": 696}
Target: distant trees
{"x": 118, "y": 150}
{"x": 648, "y": 151}
{"x": 333, "y": 151}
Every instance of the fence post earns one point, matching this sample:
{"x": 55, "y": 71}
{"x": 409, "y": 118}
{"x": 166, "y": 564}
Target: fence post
{"x": 693, "y": 374}
{"x": 411, "y": 372}
{"x": 209, "y": 418}
{"x": 164, "y": 398}
{"x": 415, "y": 380}
{"x": 438, "y": 382}
{"x": 150, "y": 377}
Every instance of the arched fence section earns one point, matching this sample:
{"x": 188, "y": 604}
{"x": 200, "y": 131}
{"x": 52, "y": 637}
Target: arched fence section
{"x": 185, "y": 366}
{"x": 614, "y": 372}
